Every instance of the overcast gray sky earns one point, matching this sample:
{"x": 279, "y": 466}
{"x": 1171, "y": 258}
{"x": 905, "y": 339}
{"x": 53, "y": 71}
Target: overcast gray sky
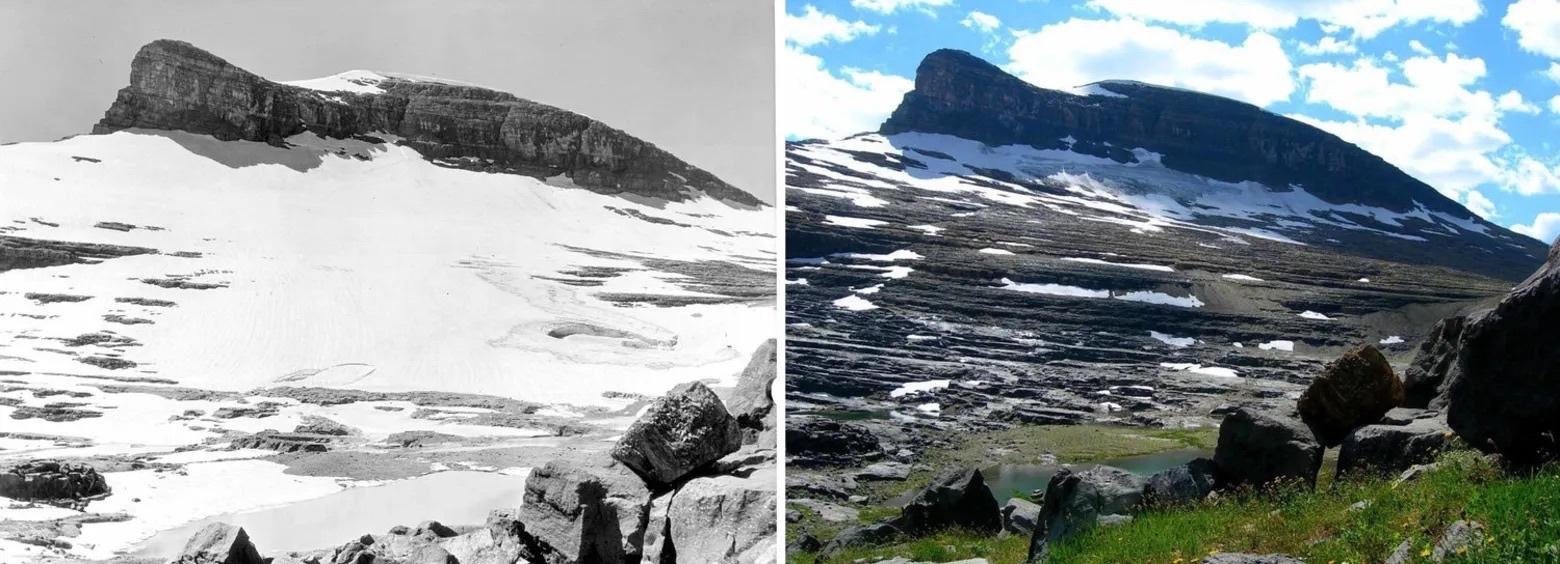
{"x": 695, "y": 77}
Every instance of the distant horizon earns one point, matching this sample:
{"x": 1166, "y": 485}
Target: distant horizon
{"x": 693, "y": 98}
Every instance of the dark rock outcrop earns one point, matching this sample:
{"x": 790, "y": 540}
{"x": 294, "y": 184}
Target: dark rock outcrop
{"x": 1077, "y": 501}
{"x": 271, "y": 439}
{"x": 52, "y": 482}
{"x": 1355, "y": 389}
{"x": 1185, "y": 483}
{"x": 586, "y": 509}
{"x": 219, "y": 543}
{"x": 1393, "y": 448}
{"x": 864, "y": 535}
{"x": 683, "y": 430}
{"x": 1503, "y": 393}
{"x": 177, "y": 86}
{"x": 817, "y": 441}
{"x": 958, "y": 498}
{"x": 1257, "y": 448}
{"x": 21, "y": 252}
{"x": 959, "y": 94}
{"x": 1242, "y": 558}
{"x": 1424, "y": 381}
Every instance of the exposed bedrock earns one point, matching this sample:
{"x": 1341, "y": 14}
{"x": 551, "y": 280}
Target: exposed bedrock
{"x": 177, "y": 86}
{"x": 1503, "y": 389}
{"x": 751, "y": 403}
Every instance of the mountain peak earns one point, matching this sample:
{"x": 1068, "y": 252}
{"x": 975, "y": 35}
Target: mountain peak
{"x": 959, "y": 94}
{"x": 175, "y": 85}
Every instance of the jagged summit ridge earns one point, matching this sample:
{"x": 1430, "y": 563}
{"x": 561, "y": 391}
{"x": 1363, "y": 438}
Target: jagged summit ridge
{"x": 959, "y": 94}
{"x": 177, "y": 86}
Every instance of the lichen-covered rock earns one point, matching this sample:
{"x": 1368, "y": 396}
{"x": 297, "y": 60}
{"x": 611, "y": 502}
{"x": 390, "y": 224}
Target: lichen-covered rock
{"x": 957, "y": 499}
{"x": 725, "y": 519}
{"x": 1242, "y": 558}
{"x": 1393, "y": 448}
{"x": 1257, "y": 448}
{"x": 1457, "y": 540}
{"x": 819, "y": 441}
{"x": 683, "y": 430}
{"x": 1353, "y": 390}
{"x": 587, "y": 508}
{"x": 177, "y": 86}
{"x": 1424, "y": 381}
{"x": 750, "y": 401}
{"x": 219, "y": 543}
{"x": 1020, "y": 516}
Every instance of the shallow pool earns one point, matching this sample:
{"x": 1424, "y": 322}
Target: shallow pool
{"x": 452, "y": 498}
{"x": 1018, "y": 480}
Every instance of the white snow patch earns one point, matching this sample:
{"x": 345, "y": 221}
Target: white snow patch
{"x": 992, "y": 251}
{"x": 1393, "y": 340}
{"x": 918, "y": 387}
{"x": 929, "y": 229}
{"x": 1154, "y": 267}
{"x": 1173, "y": 341}
{"x": 854, "y": 303}
{"x": 1243, "y": 278}
{"x": 857, "y": 222}
{"x": 1308, "y": 314}
{"x": 1218, "y": 371}
{"x": 1279, "y": 345}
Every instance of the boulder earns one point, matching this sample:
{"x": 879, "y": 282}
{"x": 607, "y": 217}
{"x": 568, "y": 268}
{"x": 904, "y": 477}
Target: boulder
{"x": 1356, "y": 389}
{"x": 53, "y": 481}
{"x": 804, "y": 543}
{"x": 1242, "y": 558}
{"x": 728, "y": 518}
{"x": 959, "y": 498}
{"x": 1076, "y": 501}
{"x": 1424, "y": 381}
{"x": 750, "y": 402}
{"x": 271, "y": 439}
{"x": 219, "y": 543}
{"x": 818, "y": 441}
{"x": 1504, "y": 394}
{"x": 865, "y": 535}
{"x": 1020, "y": 516}
{"x": 429, "y": 554}
{"x": 683, "y": 430}
{"x": 1258, "y": 448}
{"x": 832, "y": 512}
{"x": 887, "y": 471}
{"x": 1393, "y": 448}
{"x": 587, "y": 508}
{"x": 500, "y": 542}
{"x": 1188, "y": 482}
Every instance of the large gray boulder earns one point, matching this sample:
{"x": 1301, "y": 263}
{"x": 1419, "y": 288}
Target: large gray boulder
{"x": 1257, "y": 448}
{"x": 750, "y": 402}
{"x": 727, "y": 518}
{"x": 819, "y": 441}
{"x": 587, "y": 508}
{"x": 1242, "y": 558}
{"x": 1353, "y": 390}
{"x": 1504, "y": 394}
{"x": 1393, "y": 448}
{"x": 657, "y": 547}
{"x": 1020, "y": 516}
{"x": 865, "y": 535}
{"x": 1077, "y": 501}
{"x": 958, "y": 498}
{"x": 501, "y": 541}
{"x": 1181, "y": 484}
{"x": 219, "y": 543}
{"x": 683, "y": 430}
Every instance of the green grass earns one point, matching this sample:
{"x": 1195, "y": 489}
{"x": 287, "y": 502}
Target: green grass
{"x": 1521, "y": 516}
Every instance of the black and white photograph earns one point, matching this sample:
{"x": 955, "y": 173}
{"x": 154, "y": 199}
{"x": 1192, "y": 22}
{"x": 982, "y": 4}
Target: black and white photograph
{"x": 387, "y": 281}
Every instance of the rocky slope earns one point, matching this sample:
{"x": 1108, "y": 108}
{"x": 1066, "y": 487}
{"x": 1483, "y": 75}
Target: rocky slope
{"x": 999, "y": 253}
{"x": 175, "y": 85}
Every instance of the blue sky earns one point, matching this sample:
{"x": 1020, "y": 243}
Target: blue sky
{"x": 1462, "y": 94}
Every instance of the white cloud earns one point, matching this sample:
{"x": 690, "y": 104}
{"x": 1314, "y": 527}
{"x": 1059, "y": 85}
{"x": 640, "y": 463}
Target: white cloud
{"x": 1328, "y": 45}
{"x": 1554, "y": 104}
{"x": 1417, "y": 47}
{"x": 1537, "y": 23}
{"x": 1530, "y": 177}
{"x": 1554, "y": 72}
{"x": 1478, "y": 204}
{"x": 1512, "y": 101}
{"x": 891, "y": 6}
{"x": 814, "y": 27}
{"x": 981, "y": 21}
{"x": 1365, "y": 19}
{"x": 815, "y": 102}
{"x": 1544, "y": 227}
{"x": 1077, "y": 51}
{"x": 1434, "y": 86}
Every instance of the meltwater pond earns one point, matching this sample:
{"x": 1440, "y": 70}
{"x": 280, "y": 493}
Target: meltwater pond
{"x": 452, "y": 498}
{"x": 1018, "y": 480}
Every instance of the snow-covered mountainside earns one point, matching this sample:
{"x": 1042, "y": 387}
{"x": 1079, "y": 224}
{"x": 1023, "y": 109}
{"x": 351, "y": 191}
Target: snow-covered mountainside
{"x": 173, "y": 286}
{"x": 1129, "y": 253}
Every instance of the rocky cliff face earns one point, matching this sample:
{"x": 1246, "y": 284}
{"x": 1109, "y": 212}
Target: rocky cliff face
{"x": 175, "y": 85}
{"x": 959, "y": 94}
